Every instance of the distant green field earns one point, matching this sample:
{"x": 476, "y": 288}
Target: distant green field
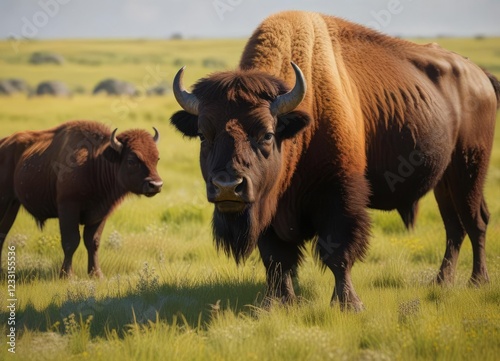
{"x": 168, "y": 294}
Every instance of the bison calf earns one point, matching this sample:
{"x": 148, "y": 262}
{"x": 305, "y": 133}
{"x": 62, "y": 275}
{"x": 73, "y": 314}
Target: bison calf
{"x": 77, "y": 172}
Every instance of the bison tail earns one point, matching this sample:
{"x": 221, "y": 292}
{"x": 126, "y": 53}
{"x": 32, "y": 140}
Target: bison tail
{"x": 409, "y": 215}
{"x": 40, "y": 223}
{"x": 496, "y": 85}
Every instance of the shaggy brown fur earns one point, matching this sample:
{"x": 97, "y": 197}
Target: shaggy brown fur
{"x": 72, "y": 173}
{"x": 383, "y": 122}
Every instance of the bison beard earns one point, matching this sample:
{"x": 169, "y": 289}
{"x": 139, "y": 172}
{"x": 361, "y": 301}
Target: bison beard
{"x": 236, "y": 233}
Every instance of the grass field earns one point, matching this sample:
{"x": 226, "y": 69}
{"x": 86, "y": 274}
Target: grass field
{"x": 168, "y": 294}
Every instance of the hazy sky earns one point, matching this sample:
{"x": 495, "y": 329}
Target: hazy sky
{"x": 235, "y": 18}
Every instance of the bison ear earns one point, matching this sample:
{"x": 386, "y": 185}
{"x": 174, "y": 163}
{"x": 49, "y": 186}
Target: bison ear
{"x": 292, "y": 123}
{"x": 185, "y": 123}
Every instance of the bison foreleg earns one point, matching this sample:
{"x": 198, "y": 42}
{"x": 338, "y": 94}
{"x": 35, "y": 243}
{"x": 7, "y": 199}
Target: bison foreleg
{"x": 343, "y": 293}
{"x": 343, "y": 239}
{"x": 70, "y": 236}
{"x": 281, "y": 260}
{"x": 92, "y": 238}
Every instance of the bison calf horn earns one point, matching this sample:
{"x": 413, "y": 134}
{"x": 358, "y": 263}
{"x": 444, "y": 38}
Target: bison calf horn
{"x": 115, "y": 143}
{"x": 156, "y": 137}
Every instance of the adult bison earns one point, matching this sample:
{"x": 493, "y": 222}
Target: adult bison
{"x": 54, "y": 88}
{"x": 115, "y": 87}
{"x": 77, "y": 172}
{"x": 372, "y": 121}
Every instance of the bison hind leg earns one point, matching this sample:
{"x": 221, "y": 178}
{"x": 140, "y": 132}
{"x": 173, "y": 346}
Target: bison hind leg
{"x": 408, "y": 214}
{"x": 463, "y": 209}
{"x": 455, "y": 233}
{"x": 478, "y": 237}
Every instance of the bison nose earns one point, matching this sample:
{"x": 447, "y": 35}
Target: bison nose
{"x": 228, "y": 188}
{"x": 155, "y": 186}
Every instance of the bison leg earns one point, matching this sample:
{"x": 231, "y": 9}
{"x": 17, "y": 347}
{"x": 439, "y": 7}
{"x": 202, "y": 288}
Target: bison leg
{"x": 475, "y": 220}
{"x": 455, "y": 233}
{"x": 70, "y": 237}
{"x": 92, "y": 238}
{"x": 8, "y": 214}
{"x": 464, "y": 180}
{"x": 281, "y": 260}
{"x": 343, "y": 227}
{"x": 333, "y": 256}
{"x": 478, "y": 237}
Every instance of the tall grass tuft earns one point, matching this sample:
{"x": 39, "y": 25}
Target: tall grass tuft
{"x": 78, "y": 331}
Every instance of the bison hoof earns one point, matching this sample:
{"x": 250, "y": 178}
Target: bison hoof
{"x": 269, "y": 301}
{"x": 66, "y": 275}
{"x": 349, "y": 306}
{"x": 443, "y": 279}
{"x": 478, "y": 280}
{"x": 96, "y": 274}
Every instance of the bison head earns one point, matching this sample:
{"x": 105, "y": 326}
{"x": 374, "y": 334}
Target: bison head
{"x": 138, "y": 158}
{"x": 243, "y": 119}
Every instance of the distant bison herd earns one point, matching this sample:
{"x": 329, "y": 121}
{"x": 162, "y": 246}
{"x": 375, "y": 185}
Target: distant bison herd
{"x": 57, "y": 88}
{"x": 296, "y": 144}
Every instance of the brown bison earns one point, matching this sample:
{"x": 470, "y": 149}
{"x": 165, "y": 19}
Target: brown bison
{"x": 77, "y": 172}
{"x": 372, "y": 121}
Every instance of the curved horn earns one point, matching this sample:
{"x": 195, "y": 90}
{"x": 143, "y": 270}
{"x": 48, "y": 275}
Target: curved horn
{"x": 156, "y": 137}
{"x": 115, "y": 143}
{"x": 287, "y": 102}
{"x": 189, "y": 102}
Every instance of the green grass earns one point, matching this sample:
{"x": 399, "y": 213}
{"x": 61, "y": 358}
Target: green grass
{"x": 168, "y": 294}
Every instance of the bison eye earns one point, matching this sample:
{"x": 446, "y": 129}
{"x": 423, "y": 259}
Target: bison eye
{"x": 132, "y": 162}
{"x": 267, "y": 138}
{"x": 202, "y": 137}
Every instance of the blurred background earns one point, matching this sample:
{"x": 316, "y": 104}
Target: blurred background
{"x": 236, "y": 18}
